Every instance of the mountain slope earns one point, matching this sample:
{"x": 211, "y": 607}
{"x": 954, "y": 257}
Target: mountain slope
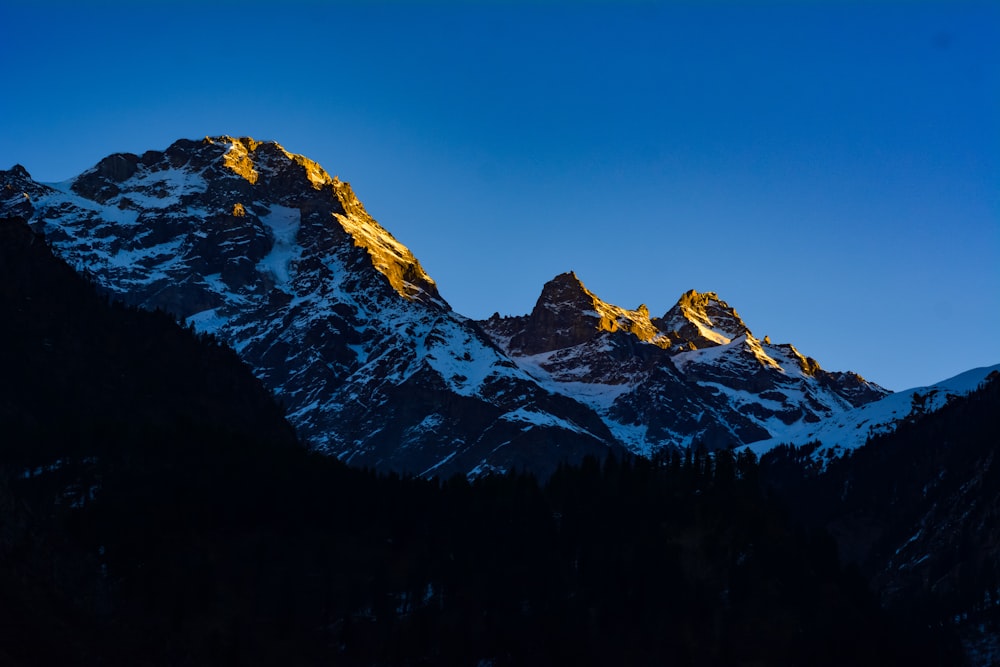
{"x": 697, "y": 375}
{"x": 265, "y": 250}
{"x": 107, "y": 405}
{"x": 917, "y": 507}
{"x": 70, "y": 358}
{"x": 851, "y": 429}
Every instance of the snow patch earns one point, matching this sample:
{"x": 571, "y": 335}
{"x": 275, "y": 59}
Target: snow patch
{"x": 283, "y": 222}
{"x": 534, "y": 418}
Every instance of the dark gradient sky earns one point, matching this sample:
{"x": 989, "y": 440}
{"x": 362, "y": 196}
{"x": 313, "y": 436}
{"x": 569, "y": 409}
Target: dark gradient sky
{"x": 832, "y": 170}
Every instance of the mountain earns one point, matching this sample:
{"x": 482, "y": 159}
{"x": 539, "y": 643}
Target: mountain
{"x": 265, "y": 250}
{"x": 696, "y": 376}
{"x": 851, "y": 429}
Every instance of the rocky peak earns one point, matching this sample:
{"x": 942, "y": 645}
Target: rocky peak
{"x": 702, "y": 319}
{"x": 566, "y": 293}
{"x": 567, "y": 314}
{"x": 289, "y": 175}
{"x": 244, "y": 189}
{"x": 17, "y": 190}
{"x": 249, "y": 159}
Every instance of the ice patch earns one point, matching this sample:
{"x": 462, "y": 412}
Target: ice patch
{"x": 207, "y": 321}
{"x": 284, "y": 225}
{"x": 533, "y": 418}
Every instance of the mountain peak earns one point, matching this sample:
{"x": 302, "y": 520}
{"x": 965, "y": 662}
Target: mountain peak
{"x": 567, "y": 314}
{"x": 703, "y": 319}
{"x": 259, "y": 184}
{"x": 246, "y": 156}
{"x": 566, "y": 289}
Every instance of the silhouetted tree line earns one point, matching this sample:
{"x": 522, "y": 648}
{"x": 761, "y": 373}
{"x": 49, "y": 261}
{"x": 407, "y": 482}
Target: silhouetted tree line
{"x": 234, "y": 552}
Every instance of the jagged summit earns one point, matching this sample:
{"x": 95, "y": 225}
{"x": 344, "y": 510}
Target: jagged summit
{"x": 696, "y": 375}
{"x": 276, "y": 191}
{"x": 702, "y": 320}
{"x": 567, "y": 314}
{"x": 248, "y": 157}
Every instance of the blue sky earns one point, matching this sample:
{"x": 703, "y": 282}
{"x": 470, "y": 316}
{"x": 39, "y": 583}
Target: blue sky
{"x": 832, "y": 170}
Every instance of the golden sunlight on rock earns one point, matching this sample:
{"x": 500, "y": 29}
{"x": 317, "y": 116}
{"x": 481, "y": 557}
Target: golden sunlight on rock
{"x": 315, "y": 173}
{"x": 389, "y": 256}
{"x": 237, "y": 159}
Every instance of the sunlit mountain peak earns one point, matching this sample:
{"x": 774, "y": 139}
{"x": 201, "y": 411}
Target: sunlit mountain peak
{"x": 704, "y": 319}
{"x": 243, "y": 155}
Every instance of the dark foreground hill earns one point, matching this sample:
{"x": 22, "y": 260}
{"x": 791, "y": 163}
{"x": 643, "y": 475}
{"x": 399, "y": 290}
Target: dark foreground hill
{"x": 155, "y": 510}
{"x": 918, "y": 510}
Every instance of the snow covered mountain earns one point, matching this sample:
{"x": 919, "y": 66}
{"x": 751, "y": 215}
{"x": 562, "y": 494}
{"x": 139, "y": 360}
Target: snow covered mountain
{"x": 265, "y": 250}
{"x": 697, "y": 375}
{"x": 852, "y": 429}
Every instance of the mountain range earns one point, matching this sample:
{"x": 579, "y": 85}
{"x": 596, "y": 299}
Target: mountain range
{"x": 167, "y": 312}
{"x": 266, "y": 251}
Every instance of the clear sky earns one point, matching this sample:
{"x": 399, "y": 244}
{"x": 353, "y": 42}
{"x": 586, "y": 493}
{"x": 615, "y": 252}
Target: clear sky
{"x": 831, "y": 169}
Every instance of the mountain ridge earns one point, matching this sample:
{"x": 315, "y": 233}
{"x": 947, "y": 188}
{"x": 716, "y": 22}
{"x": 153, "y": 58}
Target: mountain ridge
{"x": 697, "y": 375}
{"x": 263, "y": 248}
{"x": 852, "y": 429}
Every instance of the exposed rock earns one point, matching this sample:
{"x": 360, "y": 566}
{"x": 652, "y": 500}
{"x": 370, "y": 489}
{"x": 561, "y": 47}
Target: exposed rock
{"x": 567, "y": 314}
{"x": 701, "y": 320}
{"x": 696, "y": 376}
{"x": 268, "y": 252}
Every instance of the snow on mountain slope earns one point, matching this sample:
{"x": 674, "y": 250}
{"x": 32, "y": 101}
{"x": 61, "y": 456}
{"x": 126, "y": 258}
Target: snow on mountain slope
{"x": 851, "y": 429}
{"x": 695, "y": 376}
{"x": 263, "y": 249}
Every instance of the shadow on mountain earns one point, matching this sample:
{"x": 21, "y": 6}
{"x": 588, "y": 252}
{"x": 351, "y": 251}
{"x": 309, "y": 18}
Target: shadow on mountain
{"x": 918, "y": 510}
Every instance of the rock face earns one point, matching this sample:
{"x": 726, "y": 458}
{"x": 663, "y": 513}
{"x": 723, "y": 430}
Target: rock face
{"x": 567, "y": 314}
{"x": 697, "y": 375}
{"x": 268, "y": 252}
{"x": 702, "y": 320}
{"x": 265, "y": 250}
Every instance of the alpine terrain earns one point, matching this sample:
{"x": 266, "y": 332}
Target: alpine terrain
{"x": 695, "y": 376}
{"x": 265, "y": 250}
